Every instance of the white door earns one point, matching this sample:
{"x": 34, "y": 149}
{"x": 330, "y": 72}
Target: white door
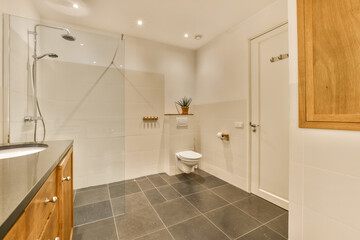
{"x": 270, "y": 110}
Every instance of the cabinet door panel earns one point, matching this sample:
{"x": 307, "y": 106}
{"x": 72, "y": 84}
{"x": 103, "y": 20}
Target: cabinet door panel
{"x": 329, "y": 63}
{"x": 65, "y": 170}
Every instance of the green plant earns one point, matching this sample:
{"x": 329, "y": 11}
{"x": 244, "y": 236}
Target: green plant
{"x": 184, "y": 102}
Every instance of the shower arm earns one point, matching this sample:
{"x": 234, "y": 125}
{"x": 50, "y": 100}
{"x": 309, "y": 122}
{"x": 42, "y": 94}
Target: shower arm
{"x": 48, "y": 26}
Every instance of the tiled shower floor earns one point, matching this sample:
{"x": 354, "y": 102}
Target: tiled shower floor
{"x": 161, "y": 207}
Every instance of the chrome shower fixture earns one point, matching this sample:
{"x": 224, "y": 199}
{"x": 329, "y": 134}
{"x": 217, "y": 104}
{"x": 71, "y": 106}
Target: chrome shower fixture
{"x": 67, "y": 36}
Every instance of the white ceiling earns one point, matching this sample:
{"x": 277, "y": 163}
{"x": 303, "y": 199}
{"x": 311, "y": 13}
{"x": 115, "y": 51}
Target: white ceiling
{"x": 164, "y": 20}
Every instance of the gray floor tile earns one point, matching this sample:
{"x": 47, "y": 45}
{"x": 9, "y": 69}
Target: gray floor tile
{"x": 157, "y": 181}
{"x": 280, "y": 225}
{"x": 160, "y": 235}
{"x": 212, "y": 181}
{"x": 154, "y": 196}
{"x": 118, "y": 190}
{"x": 198, "y": 228}
{"x": 169, "y": 192}
{"x": 206, "y": 201}
{"x": 175, "y": 211}
{"x": 201, "y": 173}
{"x": 175, "y": 178}
{"x": 138, "y": 223}
{"x": 195, "y": 177}
{"x": 118, "y": 205}
{"x": 91, "y": 196}
{"x": 231, "y": 193}
{"x": 259, "y": 208}
{"x": 92, "y": 212}
{"x": 133, "y": 202}
{"x": 188, "y": 187}
{"x": 232, "y": 221}
{"x": 262, "y": 233}
{"x": 104, "y": 229}
{"x": 145, "y": 184}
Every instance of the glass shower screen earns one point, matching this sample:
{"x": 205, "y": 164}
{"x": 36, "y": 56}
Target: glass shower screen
{"x": 79, "y": 88}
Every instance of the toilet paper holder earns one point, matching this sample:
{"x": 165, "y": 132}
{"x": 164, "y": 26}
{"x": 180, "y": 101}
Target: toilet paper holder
{"x": 223, "y": 136}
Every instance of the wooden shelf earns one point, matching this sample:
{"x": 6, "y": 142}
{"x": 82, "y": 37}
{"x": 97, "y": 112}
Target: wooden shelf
{"x": 175, "y": 114}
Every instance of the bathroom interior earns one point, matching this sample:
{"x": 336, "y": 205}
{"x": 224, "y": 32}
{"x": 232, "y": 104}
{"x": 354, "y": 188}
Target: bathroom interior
{"x": 96, "y": 141}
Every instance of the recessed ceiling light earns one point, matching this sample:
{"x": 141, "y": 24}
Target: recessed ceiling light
{"x": 94, "y": 62}
{"x": 140, "y": 22}
{"x": 186, "y": 35}
{"x": 81, "y": 44}
{"x": 198, "y": 37}
{"x": 75, "y": 5}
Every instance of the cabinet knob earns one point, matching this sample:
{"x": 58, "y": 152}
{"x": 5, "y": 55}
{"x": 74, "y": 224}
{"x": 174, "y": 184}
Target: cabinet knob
{"x": 68, "y": 178}
{"x": 52, "y": 200}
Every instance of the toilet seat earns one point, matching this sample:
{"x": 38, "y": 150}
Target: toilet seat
{"x": 189, "y": 155}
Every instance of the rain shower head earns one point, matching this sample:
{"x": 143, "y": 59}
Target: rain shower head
{"x": 51, "y": 55}
{"x": 68, "y": 37}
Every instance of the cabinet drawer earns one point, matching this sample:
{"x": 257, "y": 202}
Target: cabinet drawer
{"x": 39, "y": 210}
{"x": 51, "y": 230}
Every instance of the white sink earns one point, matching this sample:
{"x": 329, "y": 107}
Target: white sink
{"x": 22, "y": 149}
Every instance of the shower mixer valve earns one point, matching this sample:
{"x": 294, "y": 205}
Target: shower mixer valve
{"x": 31, "y": 118}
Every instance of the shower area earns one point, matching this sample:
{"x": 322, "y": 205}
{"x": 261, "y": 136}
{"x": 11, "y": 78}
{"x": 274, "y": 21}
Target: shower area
{"x": 62, "y": 83}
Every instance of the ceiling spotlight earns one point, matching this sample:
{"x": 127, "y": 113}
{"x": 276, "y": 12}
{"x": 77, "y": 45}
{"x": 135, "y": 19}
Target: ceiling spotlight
{"x": 198, "y": 37}
{"x": 94, "y": 62}
{"x": 81, "y": 44}
{"x": 186, "y": 35}
{"x": 75, "y": 5}
{"x": 140, "y": 22}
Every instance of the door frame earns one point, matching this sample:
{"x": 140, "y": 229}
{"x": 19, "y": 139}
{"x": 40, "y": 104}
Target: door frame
{"x": 249, "y": 138}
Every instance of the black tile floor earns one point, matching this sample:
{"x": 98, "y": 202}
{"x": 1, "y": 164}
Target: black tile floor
{"x": 197, "y": 206}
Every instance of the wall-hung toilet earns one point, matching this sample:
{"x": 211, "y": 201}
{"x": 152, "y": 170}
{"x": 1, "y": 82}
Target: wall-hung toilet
{"x": 186, "y": 160}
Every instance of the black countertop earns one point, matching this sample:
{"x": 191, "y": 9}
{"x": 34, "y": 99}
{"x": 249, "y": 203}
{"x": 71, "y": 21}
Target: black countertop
{"x": 22, "y": 177}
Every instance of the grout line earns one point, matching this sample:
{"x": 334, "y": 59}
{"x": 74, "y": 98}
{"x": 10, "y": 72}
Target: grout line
{"x": 182, "y": 221}
{"x": 98, "y": 220}
{"x": 201, "y": 214}
{"x": 112, "y": 210}
{"x": 263, "y": 225}
{"x": 149, "y": 233}
{"x": 209, "y": 219}
{"x": 157, "y": 213}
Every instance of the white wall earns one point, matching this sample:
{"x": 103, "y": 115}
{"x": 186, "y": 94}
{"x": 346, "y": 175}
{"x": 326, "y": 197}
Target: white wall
{"x": 324, "y": 171}
{"x": 27, "y": 9}
{"x": 176, "y": 64}
{"x": 222, "y": 94}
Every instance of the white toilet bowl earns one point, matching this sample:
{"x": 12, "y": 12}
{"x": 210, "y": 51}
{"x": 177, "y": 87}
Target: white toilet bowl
{"x": 186, "y": 160}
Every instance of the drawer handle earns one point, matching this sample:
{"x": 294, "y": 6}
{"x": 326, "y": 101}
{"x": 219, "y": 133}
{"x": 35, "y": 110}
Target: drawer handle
{"x": 66, "y": 179}
{"x": 52, "y": 200}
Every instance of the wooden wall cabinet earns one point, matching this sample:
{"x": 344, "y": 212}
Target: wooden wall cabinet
{"x": 329, "y": 64}
{"x": 52, "y": 220}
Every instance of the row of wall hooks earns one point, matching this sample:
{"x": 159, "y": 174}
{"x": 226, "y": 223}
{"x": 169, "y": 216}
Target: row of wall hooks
{"x": 150, "y": 118}
{"x": 279, "y": 58}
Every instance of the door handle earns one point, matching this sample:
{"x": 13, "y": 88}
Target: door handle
{"x": 254, "y": 126}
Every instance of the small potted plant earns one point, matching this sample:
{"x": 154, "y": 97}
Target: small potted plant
{"x": 184, "y": 103}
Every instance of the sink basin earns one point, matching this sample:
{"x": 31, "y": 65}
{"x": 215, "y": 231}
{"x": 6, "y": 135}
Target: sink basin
{"x": 22, "y": 149}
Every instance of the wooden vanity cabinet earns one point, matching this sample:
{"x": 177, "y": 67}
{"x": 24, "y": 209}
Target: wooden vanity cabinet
{"x": 49, "y": 215}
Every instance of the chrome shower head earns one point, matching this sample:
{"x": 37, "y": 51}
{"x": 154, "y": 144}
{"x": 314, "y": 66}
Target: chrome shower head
{"x": 68, "y": 37}
{"x": 51, "y": 55}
